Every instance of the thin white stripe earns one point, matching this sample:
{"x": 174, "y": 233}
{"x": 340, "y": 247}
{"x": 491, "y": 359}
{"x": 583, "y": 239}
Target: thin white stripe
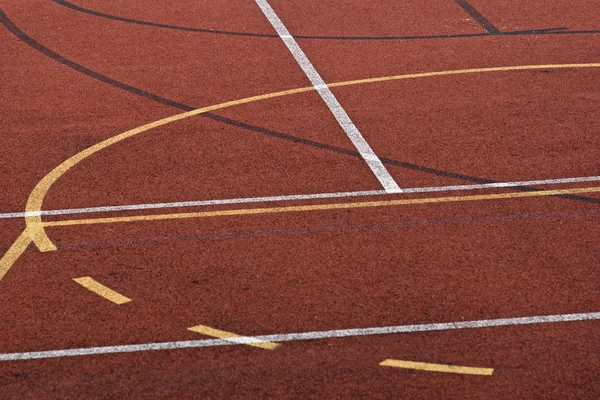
{"x": 287, "y": 337}
{"x": 382, "y": 174}
{"x": 200, "y": 203}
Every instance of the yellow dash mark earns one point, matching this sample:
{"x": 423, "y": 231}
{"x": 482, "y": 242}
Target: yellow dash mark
{"x": 102, "y": 290}
{"x": 454, "y": 369}
{"x": 208, "y": 331}
{"x": 318, "y": 207}
{"x": 14, "y": 252}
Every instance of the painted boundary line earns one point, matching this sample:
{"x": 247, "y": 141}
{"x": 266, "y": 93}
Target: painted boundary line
{"x": 478, "y": 17}
{"x": 320, "y": 207}
{"x": 246, "y": 200}
{"x": 288, "y": 337}
{"x": 366, "y": 152}
{"x": 559, "y": 30}
{"x": 35, "y": 232}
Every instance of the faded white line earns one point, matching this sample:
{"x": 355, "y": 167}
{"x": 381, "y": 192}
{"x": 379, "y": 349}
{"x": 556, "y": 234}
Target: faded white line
{"x": 367, "y": 153}
{"x": 288, "y": 337}
{"x": 245, "y": 200}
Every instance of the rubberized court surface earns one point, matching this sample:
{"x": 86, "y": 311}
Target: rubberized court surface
{"x": 300, "y": 199}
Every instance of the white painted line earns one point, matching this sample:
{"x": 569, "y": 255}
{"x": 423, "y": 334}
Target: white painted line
{"x": 200, "y": 203}
{"x": 382, "y": 174}
{"x": 288, "y": 337}
{"x": 184, "y": 204}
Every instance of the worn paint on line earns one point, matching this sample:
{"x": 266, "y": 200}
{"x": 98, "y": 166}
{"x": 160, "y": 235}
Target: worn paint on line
{"x": 455, "y": 369}
{"x": 208, "y": 331}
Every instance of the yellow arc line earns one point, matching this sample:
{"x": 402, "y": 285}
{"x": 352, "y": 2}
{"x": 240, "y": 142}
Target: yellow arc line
{"x": 35, "y": 227}
{"x": 320, "y": 207}
{"x": 102, "y": 290}
{"x": 208, "y": 331}
{"x": 455, "y": 369}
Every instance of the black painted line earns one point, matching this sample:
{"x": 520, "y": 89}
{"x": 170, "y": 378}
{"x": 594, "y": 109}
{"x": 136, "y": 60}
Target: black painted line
{"x": 79, "y": 68}
{"x": 476, "y": 15}
{"x": 347, "y": 152}
{"x": 421, "y": 37}
{"x": 157, "y": 25}
{"x": 402, "y": 164}
{"x": 103, "y": 78}
{"x": 540, "y": 30}
{"x": 548, "y": 31}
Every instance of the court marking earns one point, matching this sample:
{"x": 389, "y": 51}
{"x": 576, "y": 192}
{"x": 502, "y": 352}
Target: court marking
{"x": 101, "y": 290}
{"x": 34, "y": 203}
{"x": 232, "y": 337}
{"x": 342, "y": 117}
{"x": 8, "y": 24}
{"x": 315, "y": 335}
{"x": 318, "y": 207}
{"x": 542, "y": 31}
{"x": 423, "y": 366}
{"x": 35, "y": 227}
{"x": 296, "y": 197}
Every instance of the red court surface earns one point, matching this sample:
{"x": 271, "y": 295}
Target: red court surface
{"x": 299, "y": 199}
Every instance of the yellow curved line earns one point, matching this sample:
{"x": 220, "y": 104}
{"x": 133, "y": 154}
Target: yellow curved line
{"x": 36, "y": 198}
{"x": 35, "y": 227}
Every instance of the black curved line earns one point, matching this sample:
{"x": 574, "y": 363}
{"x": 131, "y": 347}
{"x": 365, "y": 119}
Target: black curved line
{"x": 8, "y": 24}
{"x": 131, "y": 89}
{"x": 157, "y": 25}
{"x": 80, "y": 68}
{"x": 548, "y": 31}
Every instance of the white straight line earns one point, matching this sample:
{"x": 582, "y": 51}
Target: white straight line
{"x": 287, "y": 337}
{"x": 382, "y": 174}
{"x": 200, "y": 203}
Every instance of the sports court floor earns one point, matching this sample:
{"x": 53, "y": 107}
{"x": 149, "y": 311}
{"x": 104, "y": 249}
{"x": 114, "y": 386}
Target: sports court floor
{"x": 300, "y": 199}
